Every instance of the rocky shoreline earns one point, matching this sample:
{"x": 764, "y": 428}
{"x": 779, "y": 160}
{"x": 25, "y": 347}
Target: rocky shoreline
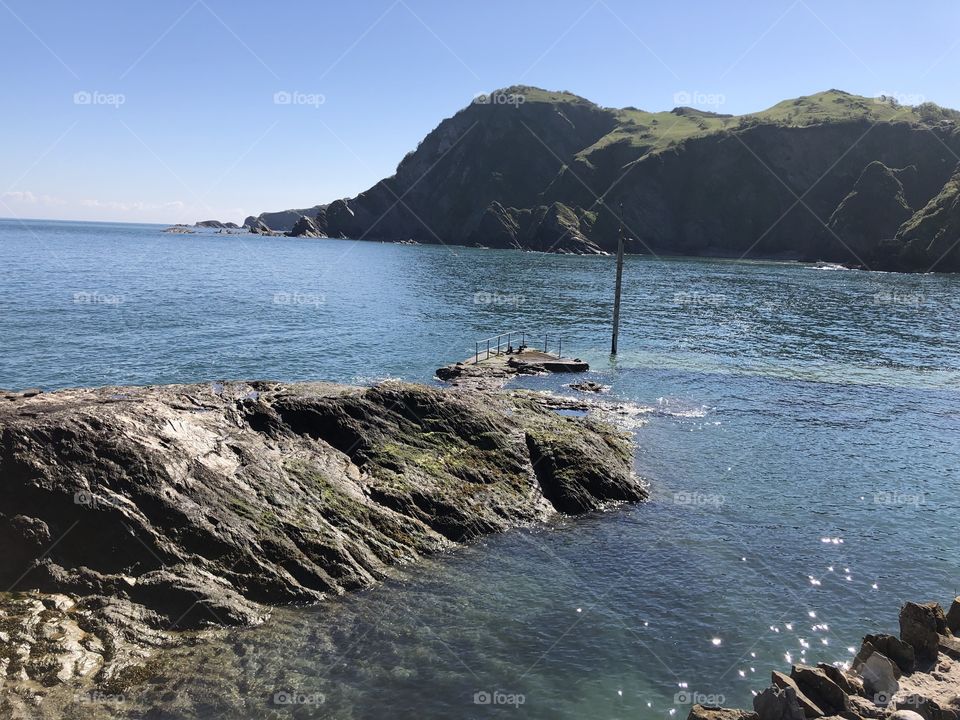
{"x": 913, "y": 677}
{"x": 139, "y": 518}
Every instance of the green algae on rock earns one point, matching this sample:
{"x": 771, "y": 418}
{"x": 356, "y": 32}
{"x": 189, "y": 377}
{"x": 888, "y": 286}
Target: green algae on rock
{"x": 150, "y": 510}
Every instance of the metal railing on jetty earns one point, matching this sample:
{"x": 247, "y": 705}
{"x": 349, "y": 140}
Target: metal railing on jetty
{"x": 502, "y": 343}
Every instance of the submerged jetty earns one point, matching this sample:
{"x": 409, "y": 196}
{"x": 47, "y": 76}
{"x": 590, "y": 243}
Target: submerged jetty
{"x": 135, "y": 517}
{"x": 913, "y": 677}
{"x": 496, "y": 361}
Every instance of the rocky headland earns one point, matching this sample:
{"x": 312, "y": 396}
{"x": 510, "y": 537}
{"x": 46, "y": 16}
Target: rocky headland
{"x": 833, "y": 177}
{"x": 137, "y": 518}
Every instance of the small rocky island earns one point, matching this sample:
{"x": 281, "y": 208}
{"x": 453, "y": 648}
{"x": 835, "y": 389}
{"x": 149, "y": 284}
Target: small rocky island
{"x": 135, "y": 518}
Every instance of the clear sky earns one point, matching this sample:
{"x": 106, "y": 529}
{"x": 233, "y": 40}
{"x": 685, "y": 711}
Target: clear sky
{"x": 168, "y": 112}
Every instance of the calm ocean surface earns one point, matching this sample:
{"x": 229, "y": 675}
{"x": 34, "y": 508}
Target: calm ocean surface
{"x": 800, "y": 429}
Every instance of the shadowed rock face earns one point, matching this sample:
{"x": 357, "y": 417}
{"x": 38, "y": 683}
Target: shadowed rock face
{"x": 869, "y": 217}
{"x": 932, "y": 236}
{"x": 306, "y": 227}
{"x": 201, "y": 502}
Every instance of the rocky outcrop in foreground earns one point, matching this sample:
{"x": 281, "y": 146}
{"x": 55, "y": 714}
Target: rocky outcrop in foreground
{"x": 132, "y": 513}
{"x": 913, "y": 677}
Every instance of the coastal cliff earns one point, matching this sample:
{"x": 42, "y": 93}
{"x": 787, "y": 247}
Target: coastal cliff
{"x": 132, "y": 514}
{"x": 531, "y": 169}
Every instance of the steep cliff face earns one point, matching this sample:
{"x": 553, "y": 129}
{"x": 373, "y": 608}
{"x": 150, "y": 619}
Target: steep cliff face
{"x": 494, "y": 152}
{"x": 930, "y": 238}
{"x": 547, "y": 171}
{"x": 867, "y": 219}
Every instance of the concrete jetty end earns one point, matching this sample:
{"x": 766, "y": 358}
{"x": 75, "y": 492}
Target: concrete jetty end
{"x": 491, "y": 368}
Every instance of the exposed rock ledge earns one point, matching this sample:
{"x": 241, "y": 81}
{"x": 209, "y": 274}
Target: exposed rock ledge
{"x": 913, "y": 677}
{"x": 131, "y": 514}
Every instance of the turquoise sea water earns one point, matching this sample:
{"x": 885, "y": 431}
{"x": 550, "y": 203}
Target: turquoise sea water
{"x": 799, "y": 427}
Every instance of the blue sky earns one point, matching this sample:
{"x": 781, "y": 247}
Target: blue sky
{"x": 166, "y": 112}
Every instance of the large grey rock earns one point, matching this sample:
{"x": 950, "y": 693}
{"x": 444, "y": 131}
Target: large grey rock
{"x": 821, "y": 689}
{"x": 879, "y": 674}
{"x": 305, "y": 227}
{"x": 897, "y": 650}
{"x": 267, "y": 493}
{"x": 809, "y": 707}
{"x": 778, "y": 703}
{"x": 867, "y": 649}
{"x": 189, "y": 506}
{"x": 920, "y": 626}
{"x": 259, "y": 227}
{"x": 851, "y": 685}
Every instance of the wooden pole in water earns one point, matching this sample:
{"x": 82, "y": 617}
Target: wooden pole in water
{"x": 616, "y": 297}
